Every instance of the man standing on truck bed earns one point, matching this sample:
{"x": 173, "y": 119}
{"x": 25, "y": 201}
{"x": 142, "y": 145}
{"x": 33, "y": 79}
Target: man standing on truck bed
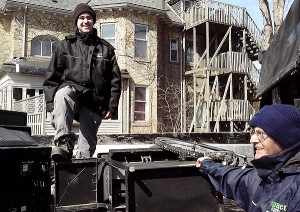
{"x": 83, "y": 82}
{"x": 273, "y": 184}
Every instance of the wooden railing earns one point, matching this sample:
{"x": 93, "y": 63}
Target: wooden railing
{"x": 221, "y": 13}
{"x": 34, "y": 107}
{"x": 231, "y": 110}
{"x": 36, "y": 118}
{"x": 235, "y": 62}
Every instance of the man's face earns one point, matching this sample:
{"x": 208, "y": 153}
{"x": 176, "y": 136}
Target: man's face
{"x": 85, "y": 22}
{"x": 263, "y": 144}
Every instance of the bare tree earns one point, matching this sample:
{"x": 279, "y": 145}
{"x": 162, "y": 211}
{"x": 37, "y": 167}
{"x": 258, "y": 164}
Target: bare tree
{"x": 272, "y": 20}
{"x": 169, "y": 104}
{"x": 169, "y": 107}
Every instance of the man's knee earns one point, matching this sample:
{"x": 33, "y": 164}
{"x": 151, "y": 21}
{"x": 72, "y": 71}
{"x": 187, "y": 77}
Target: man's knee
{"x": 65, "y": 96}
{"x": 65, "y": 91}
{"x": 84, "y": 154}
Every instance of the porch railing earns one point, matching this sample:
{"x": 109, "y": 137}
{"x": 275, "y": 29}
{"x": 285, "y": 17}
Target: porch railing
{"x": 34, "y": 107}
{"x": 232, "y": 110}
{"x": 37, "y": 120}
{"x": 238, "y": 63}
{"x": 221, "y": 13}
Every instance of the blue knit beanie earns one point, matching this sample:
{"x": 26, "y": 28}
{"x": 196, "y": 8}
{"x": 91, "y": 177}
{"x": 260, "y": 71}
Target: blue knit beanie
{"x": 280, "y": 122}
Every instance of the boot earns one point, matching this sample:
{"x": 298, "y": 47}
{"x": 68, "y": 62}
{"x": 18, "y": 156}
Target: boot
{"x": 63, "y": 149}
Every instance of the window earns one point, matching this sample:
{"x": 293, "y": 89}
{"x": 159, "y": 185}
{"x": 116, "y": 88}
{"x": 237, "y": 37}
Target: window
{"x": 174, "y": 50}
{"x": 30, "y": 92}
{"x": 108, "y": 32}
{"x": 17, "y": 94}
{"x": 43, "y": 45}
{"x": 140, "y": 39}
{"x": 190, "y": 53}
{"x": 187, "y": 5}
{"x": 140, "y": 103}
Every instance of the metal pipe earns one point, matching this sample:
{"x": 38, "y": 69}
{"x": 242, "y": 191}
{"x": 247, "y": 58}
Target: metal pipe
{"x": 128, "y": 106}
{"x": 183, "y": 82}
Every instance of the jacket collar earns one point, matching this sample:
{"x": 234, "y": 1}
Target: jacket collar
{"x": 87, "y": 38}
{"x": 271, "y": 166}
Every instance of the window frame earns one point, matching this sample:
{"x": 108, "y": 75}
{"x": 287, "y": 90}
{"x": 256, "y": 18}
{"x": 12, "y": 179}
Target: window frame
{"x": 143, "y": 40}
{"x": 109, "y": 38}
{"x": 177, "y": 49}
{"x": 17, "y": 90}
{"x": 185, "y": 6}
{"x": 146, "y": 101}
{"x": 42, "y": 38}
{"x": 190, "y": 50}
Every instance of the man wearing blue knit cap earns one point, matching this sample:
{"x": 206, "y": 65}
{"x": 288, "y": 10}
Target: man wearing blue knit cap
{"x": 272, "y": 184}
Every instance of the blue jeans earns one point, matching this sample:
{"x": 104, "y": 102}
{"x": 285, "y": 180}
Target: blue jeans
{"x": 66, "y": 104}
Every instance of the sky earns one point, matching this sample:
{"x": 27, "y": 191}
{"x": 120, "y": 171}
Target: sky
{"x": 252, "y": 7}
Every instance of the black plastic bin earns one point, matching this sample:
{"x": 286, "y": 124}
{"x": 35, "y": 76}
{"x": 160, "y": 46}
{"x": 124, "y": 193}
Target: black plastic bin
{"x": 25, "y": 172}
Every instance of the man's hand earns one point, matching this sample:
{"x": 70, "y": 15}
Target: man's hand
{"x": 52, "y": 119}
{"x": 200, "y": 160}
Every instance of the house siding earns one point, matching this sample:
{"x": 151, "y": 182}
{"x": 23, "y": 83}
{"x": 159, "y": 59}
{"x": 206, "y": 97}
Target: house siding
{"x": 45, "y": 24}
{"x": 169, "y": 79}
{"x": 6, "y": 38}
{"x": 142, "y": 72}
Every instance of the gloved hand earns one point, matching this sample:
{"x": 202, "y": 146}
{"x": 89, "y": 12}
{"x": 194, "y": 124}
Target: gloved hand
{"x": 200, "y": 160}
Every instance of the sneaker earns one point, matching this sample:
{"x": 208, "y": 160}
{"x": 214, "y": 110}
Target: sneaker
{"x": 63, "y": 150}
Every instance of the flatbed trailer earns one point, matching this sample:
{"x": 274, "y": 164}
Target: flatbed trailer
{"x": 132, "y": 180}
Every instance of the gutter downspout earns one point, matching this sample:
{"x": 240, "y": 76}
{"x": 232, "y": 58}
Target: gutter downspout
{"x": 182, "y": 83}
{"x": 24, "y": 32}
{"x": 128, "y": 106}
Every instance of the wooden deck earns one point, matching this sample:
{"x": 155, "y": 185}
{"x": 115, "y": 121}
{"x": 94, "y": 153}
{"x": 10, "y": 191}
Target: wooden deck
{"x": 221, "y": 13}
{"x": 228, "y": 62}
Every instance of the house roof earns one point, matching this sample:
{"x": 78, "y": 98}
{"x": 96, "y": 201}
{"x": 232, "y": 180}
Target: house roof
{"x": 59, "y": 6}
{"x": 150, "y": 4}
{"x": 66, "y": 7}
{"x": 34, "y": 65}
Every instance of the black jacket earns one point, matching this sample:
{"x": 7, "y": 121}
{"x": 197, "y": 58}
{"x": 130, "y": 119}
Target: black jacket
{"x": 87, "y": 63}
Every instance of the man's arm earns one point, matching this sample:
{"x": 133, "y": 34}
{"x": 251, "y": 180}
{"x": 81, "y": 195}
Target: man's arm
{"x": 53, "y": 77}
{"x": 115, "y": 90}
{"x": 232, "y": 182}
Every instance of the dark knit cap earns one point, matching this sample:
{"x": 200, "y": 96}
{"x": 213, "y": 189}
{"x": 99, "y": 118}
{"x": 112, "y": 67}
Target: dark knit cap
{"x": 279, "y": 121}
{"x": 83, "y": 8}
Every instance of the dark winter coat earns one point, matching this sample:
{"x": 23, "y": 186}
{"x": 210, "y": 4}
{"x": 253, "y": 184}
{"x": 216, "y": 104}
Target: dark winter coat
{"x": 87, "y": 63}
{"x": 272, "y": 186}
